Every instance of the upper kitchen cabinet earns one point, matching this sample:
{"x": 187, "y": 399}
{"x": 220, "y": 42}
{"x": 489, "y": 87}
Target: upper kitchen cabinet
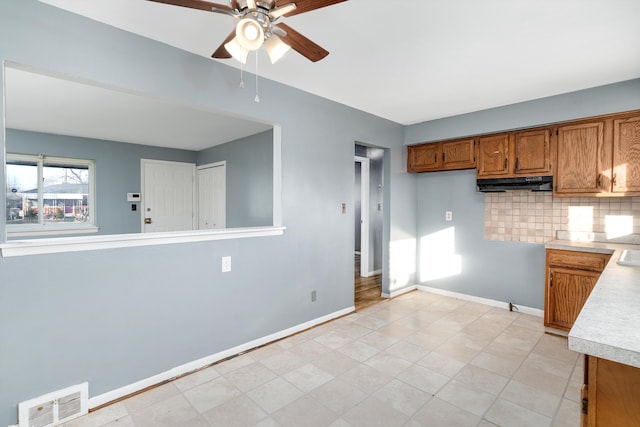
{"x": 582, "y": 157}
{"x": 524, "y": 153}
{"x": 532, "y": 152}
{"x": 599, "y": 157}
{"x": 493, "y": 155}
{"x": 626, "y": 155}
{"x": 440, "y": 156}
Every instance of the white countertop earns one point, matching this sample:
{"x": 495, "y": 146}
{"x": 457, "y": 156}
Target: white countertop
{"x": 609, "y": 324}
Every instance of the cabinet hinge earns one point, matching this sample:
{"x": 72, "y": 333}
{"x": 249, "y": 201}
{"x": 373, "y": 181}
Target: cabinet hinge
{"x": 585, "y": 406}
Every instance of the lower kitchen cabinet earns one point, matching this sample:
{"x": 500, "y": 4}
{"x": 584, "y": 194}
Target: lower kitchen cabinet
{"x": 610, "y": 394}
{"x": 571, "y": 275}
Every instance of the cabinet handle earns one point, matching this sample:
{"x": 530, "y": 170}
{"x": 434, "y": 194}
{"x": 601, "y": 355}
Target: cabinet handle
{"x": 443, "y": 157}
{"x": 505, "y": 163}
{"x": 614, "y": 179}
{"x": 550, "y": 279}
{"x": 599, "y": 181}
{"x": 435, "y": 157}
{"x": 517, "y": 164}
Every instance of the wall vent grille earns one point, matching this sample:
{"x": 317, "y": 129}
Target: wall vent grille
{"x": 54, "y": 408}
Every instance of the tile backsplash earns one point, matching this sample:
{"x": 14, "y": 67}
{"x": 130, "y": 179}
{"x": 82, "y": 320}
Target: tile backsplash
{"x": 535, "y": 217}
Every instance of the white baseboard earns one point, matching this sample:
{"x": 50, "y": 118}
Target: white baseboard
{"x": 397, "y": 292}
{"x": 178, "y": 371}
{"x": 494, "y": 303}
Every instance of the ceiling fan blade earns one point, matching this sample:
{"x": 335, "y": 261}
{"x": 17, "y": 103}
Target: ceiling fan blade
{"x": 303, "y": 6}
{"x": 302, "y": 45}
{"x": 196, "y": 4}
{"x": 221, "y": 52}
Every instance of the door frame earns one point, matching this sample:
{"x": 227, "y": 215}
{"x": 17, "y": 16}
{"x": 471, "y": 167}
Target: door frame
{"x": 364, "y": 215}
{"x": 199, "y": 169}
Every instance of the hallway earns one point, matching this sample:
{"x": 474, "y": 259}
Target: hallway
{"x": 368, "y": 290}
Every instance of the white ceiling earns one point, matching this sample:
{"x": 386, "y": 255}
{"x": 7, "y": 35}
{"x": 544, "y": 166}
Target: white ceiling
{"x": 418, "y": 60}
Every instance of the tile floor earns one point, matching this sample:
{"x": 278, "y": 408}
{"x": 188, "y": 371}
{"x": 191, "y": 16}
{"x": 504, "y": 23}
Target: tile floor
{"x": 417, "y": 360}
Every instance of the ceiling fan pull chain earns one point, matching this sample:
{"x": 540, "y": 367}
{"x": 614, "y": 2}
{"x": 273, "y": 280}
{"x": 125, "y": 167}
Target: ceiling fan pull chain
{"x": 241, "y": 75}
{"x": 257, "y": 98}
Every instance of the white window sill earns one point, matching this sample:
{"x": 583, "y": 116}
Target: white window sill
{"x": 49, "y": 230}
{"x": 114, "y": 241}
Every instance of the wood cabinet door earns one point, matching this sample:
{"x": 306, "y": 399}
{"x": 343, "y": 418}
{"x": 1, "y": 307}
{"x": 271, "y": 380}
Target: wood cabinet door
{"x": 423, "y": 157}
{"x": 581, "y": 158}
{"x": 613, "y": 394}
{"x": 458, "y": 154}
{"x": 567, "y": 291}
{"x": 532, "y": 152}
{"x": 493, "y": 155}
{"x": 626, "y": 155}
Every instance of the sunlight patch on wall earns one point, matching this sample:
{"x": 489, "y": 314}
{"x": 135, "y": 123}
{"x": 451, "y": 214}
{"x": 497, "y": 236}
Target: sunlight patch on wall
{"x": 437, "y": 256}
{"x": 580, "y": 218}
{"x": 402, "y": 263}
{"x": 618, "y": 225}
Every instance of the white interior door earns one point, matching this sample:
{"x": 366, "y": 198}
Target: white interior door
{"x": 212, "y": 200}
{"x": 167, "y": 196}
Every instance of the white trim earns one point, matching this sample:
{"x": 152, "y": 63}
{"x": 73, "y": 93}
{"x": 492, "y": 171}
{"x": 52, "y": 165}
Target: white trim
{"x": 178, "y": 371}
{"x": 115, "y": 241}
{"x": 52, "y": 230}
{"x": 277, "y": 175}
{"x": 397, "y": 292}
{"x": 494, "y": 303}
{"x": 364, "y": 215}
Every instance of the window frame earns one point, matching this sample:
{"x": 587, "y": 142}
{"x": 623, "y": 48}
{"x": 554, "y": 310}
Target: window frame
{"x": 43, "y": 228}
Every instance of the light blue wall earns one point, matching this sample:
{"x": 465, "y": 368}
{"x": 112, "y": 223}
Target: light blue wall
{"x": 117, "y": 170}
{"x": 114, "y": 317}
{"x": 249, "y": 179}
{"x": 503, "y": 271}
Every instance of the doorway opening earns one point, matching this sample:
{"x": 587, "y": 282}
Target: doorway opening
{"x": 368, "y": 217}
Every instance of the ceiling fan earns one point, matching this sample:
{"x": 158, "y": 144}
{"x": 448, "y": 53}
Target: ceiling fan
{"x": 257, "y": 25}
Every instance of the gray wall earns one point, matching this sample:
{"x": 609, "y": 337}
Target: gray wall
{"x": 504, "y": 271}
{"x": 117, "y": 170}
{"x": 113, "y": 317}
{"x": 249, "y": 180}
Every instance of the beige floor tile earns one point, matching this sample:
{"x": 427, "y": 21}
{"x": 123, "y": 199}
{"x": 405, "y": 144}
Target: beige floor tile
{"x": 499, "y": 365}
{"x": 395, "y": 330}
{"x": 408, "y": 351}
{"x": 335, "y": 363}
{"x": 366, "y": 378}
{"x": 237, "y": 412}
{"x": 555, "y": 347}
{"x": 309, "y": 350}
{"x": 305, "y": 412}
{"x": 442, "y": 364}
{"x": 460, "y": 348}
{"x": 358, "y": 350}
{"x": 268, "y": 422}
{"x": 467, "y": 398}
{"x": 151, "y": 397}
{"x": 333, "y": 340}
{"x": 378, "y": 340}
{"x": 199, "y": 421}
{"x": 423, "y": 379}
{"x": 211, "y": 394}
{"x": 235, "y": 363}
{"x": 353, "y": 331}
{"x": 507, "y": 414}
{"x": 534, "y": 323}
{"x": 541, "y": 380}
{"x": 481, "y": 379}
{"x": 173, "y": 411}
{"x": 373, "y": 413}
{"x": 250, "y": 376}
{"x": 339, "y": 395}
{"x": 307, "y": 377}
{"x": 283, "y": 362}
{"x": 368, "y": 321}
{"x": 531, "y": 398}
{"x": 438, "y": 413}
{"x": 118, "y": 422}
{"x": 274, "y": 395}
{"x": 388, "y": 363}
{"x": 196, "y": 378}
{"x": 402, "y": 397}
{"x": 428, "y": 340}
{"x": 568, "y": 415}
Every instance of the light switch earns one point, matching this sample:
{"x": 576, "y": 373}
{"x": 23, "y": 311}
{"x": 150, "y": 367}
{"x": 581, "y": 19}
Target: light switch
{"x": 226, "y": 264}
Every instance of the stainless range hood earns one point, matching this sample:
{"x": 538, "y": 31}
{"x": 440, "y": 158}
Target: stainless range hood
{"x": 532, "y": 183}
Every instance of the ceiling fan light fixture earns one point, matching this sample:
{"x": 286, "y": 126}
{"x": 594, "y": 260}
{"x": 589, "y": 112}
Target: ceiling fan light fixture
{"x": 276, "y": 48}
{"x": 249, "y": 33}
{"x": 238, "y": 52}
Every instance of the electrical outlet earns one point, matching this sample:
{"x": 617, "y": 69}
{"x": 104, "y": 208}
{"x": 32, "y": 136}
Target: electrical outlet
{"x": 313, "y": 296}
{"x": 448, "y": 216}
{"x": 226, "y": 264}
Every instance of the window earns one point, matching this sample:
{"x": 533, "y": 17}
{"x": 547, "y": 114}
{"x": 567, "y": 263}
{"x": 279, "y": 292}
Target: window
{"x": 49, "y": 195}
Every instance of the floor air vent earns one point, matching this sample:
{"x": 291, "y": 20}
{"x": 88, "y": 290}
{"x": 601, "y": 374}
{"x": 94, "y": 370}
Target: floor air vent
{"x": 54, "y": 408}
